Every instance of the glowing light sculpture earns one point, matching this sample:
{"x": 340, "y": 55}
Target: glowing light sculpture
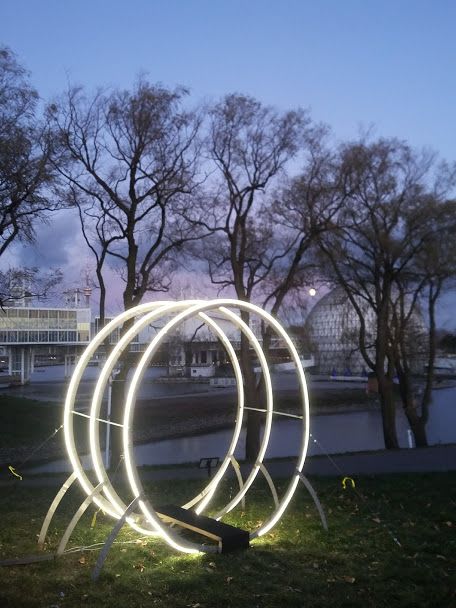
{"x": 148, "y": 521}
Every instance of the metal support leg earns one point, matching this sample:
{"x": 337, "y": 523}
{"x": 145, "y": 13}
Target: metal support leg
{"x": 271, "y": 485}
{"x": 55, "y": 503}
{"x": 237, "y": 470}
{"x": 315, "y": 498}
{"x": 76, "y": 517}
{"x": 111, "y": 538}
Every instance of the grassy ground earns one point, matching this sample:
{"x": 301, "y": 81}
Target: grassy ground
{"x": 356, "y": 563}
{"x": 25, "y": 421}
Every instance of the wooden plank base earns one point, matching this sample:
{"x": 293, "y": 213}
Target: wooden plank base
{"x": 228, "y": 537}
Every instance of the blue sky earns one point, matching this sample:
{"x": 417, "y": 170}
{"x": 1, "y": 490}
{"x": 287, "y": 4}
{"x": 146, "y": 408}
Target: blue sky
{"x": 354, "y": 63}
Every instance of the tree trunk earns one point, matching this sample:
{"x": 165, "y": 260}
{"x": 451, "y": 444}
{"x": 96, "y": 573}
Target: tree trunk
{"x": 427, "y": 393}
{"x": 417, "y": 425}
{"x": 388, "y": 411}
{"x": 124, "y": 364}
{"x": 253, "y": 431}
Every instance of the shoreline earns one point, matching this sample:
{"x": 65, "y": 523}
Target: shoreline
{"x": 164, "y": 424}
{"x": 193, "y": 414}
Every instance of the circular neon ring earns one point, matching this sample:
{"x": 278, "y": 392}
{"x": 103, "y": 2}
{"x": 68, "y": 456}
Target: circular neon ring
{"x": 115, "y": 506}
{"x": 98, "y": 393}
{"x": 152, "y": 311}
{"x": 133, "y": 478}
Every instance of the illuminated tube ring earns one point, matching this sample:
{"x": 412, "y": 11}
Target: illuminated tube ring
{"x": 148, "y": 522}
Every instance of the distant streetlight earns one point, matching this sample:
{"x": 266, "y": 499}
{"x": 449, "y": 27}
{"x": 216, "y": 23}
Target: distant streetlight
{"x": 312, "y": 292}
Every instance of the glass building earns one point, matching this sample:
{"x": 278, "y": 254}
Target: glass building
{"x": 44, "y": 326}
{"x": 29, "y": 332}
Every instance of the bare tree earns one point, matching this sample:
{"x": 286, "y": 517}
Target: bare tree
{"x": 256, "y": 247}
{"x": 129, "y": 160}
{"x": 27, "y": 283}
{"x": 25, "y": 175}
{"x": 417, "y": 289}
{"x": 381, "y": 230}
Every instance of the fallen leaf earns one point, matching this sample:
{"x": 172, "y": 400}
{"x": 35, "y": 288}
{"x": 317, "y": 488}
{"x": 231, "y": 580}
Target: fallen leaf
{"x": 449, "y": 524}
{"x": 349, "y": 579}
{"x": 82, "y": 560}
{"x": 377, "y": 520}
{"x": 229, "y": 579}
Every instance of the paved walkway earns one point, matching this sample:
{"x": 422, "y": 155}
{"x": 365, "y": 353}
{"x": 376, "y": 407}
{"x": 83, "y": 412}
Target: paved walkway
{"x": 417, "y": 460}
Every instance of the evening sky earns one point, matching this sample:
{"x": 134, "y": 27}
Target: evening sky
{"x": 353, "y": 63}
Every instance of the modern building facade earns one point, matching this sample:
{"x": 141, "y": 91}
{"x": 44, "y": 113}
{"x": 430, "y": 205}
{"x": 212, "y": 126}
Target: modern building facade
{"x": 26, "y": 333}
{"x": 39, "y": 335}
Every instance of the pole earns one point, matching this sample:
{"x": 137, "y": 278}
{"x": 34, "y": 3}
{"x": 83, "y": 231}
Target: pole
{"x": 108, "y": 426}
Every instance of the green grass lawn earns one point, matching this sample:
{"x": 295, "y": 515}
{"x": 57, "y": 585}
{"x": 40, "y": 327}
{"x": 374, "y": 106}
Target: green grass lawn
{"x": 356, "y": 563}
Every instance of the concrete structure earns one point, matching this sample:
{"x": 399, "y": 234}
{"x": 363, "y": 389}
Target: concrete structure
{"x": 50, "y": 335}
{"x": 194, "y": 350}
{"x": 27, "y": 333}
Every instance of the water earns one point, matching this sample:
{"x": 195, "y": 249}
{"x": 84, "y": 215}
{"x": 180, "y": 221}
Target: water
{"x": 49, "y": 384}
{"x": 333, "y": 434}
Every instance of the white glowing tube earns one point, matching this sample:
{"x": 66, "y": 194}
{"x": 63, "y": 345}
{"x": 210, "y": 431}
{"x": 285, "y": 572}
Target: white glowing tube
{"x": 103, "y": 378}
{"x": 111, "y": 494}
{"x": 180, "y": 311}
{"x": 71, "y": 395}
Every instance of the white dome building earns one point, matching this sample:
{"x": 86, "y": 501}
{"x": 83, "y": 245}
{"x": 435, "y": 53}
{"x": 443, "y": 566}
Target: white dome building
{"x": 332, "y": 328}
